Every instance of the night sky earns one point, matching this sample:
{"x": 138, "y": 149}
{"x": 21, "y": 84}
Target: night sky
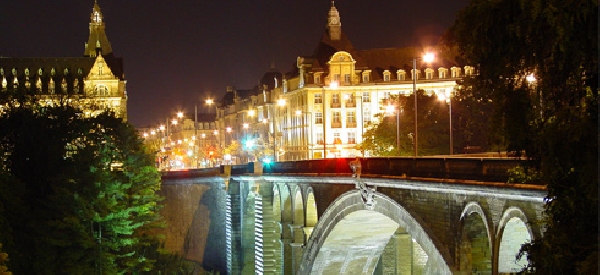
{"x": 178, "y": 53}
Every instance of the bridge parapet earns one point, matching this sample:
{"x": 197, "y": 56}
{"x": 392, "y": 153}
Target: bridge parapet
{"x": 479, "y": 169}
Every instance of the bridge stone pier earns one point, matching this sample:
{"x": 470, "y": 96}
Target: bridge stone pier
{"x": 327, "y": 220}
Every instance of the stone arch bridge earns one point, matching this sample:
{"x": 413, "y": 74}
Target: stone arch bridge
{"x": 394, "y": 216}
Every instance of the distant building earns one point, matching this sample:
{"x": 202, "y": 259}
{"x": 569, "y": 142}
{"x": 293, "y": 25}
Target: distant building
{"x": 93, "y": 83}
{"x": 321, "y": 108}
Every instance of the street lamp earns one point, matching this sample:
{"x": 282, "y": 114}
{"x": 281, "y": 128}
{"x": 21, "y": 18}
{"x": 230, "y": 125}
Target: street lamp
{"x": 428, "y": 57}
{"x": 447, "y": 97}
{"x": 298, "y": 113}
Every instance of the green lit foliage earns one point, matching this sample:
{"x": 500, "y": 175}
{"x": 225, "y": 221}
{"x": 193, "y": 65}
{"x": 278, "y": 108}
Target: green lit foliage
{"x": 433, "y": 131}
{"x": 552, "y": 120}
{"x": 91, "y": 190}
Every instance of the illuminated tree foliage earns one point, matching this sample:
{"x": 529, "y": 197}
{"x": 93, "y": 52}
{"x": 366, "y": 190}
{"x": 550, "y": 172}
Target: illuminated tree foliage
{"x": 433, "y": 122}
{"x": 537, "y": 62}
{"x": 89, "y": 193}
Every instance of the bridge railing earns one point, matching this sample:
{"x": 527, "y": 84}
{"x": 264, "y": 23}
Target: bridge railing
{"x": 480, "y": 169}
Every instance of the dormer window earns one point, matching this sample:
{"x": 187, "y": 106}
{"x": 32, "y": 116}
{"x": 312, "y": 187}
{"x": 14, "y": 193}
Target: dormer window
{"x": 101, "y": 90}
{"x": 429, "y": 73}
{"x": 455, "y": 72}
{"x": 386, "y": 75}
{"x": 401, "y": 74}
{"x": 443, "y": 72}
{"x": 416, "y": 73}
{"x": 365, "y": 77}
{"x": 317, "y": 79}
{"x": 469, "y": 70}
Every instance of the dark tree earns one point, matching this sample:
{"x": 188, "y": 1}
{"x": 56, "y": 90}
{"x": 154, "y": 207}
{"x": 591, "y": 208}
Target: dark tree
{"x": 537, "y": 62}
{"x": 89, "y": 193}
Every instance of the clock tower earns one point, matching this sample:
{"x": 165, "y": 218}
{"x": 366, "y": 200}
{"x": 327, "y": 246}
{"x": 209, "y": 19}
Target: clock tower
{"x": 334, "y": 25}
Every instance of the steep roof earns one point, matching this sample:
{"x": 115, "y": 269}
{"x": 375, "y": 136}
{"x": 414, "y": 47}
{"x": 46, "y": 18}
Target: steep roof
{"x": 72, "y": 64}
{"x": 327, "y": 47}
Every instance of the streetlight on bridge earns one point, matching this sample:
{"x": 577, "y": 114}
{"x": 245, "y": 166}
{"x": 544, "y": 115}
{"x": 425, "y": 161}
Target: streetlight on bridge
{"x": 428, "y": 57}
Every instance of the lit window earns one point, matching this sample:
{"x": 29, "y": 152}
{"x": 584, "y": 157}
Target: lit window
{"x": 386, "y": 75}
{"x": 318, "y": 98}
{"x": 351, "y": 138}
{"x": 386, "y": 95}
{"x": 320, "y": 138}
{"x": 336, "y": 138}
{"x": 336, "y": 117}
{"x": 401, "y": 75}
{"x": 318, "y": 118}
{"x": 347, "y": 78}
{"x": 336, "y": 77}
{"x": 350, "y": 117}
{"x": 366, "y": 97}
{"x": 101, "y": 90}
{"x": 367, "y": 116}
{"x": 335, "y": 98}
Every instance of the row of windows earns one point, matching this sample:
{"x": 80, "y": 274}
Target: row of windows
{"x": 336, "y": 118}
{"x": 337, "y": 138}
{"x": 455, "y": 72}
{"x": 40, "y": 71}
{"x": 348, "y": 98}
{"x": 52, "y": 87}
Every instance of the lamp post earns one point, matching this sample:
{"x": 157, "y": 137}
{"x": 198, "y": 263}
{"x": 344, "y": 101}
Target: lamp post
{"x": 447, "y": 97}
{"x": 427, "y": 58}
{"x": 395, "y": 109}
{"x": 324, "y": 126}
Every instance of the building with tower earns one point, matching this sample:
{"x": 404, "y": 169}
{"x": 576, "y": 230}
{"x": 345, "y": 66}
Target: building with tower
{"x": 93, "y": 83}
{"x": 323, "y": 106}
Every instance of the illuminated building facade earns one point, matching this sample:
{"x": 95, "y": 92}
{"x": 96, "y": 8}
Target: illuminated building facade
{"x": 93, "y": 83}
{"x": 321, "y": 108}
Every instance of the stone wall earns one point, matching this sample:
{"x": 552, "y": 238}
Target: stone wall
{"x": 195, "y": 220}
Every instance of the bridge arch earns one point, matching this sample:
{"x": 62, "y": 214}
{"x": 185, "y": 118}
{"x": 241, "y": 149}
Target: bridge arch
{"x": 476, "y": 244}
{"x": 370, "y": 228}
{"x": 312, "y": 216}
{"x": 513, "y": 231}
{"x": 297, "y": 225}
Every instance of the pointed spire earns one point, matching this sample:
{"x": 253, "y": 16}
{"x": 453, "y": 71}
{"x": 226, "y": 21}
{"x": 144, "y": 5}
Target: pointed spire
{"x": 97, "y": 43}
